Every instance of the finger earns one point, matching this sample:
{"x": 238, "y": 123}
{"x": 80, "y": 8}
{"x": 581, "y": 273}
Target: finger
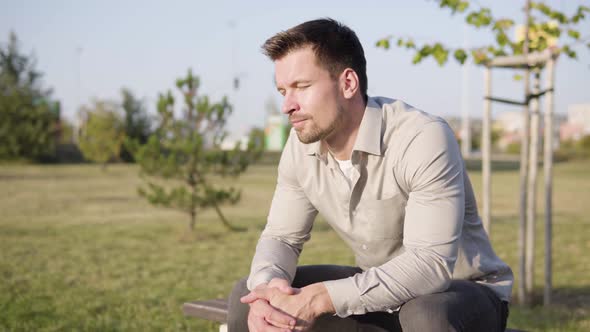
{"x": 279, "y": 325}
{"x": 256, "y": 294}
{"x": 249, "y": 298}
{"x": 259, "y": 324}
{"x": 277, "y": 317}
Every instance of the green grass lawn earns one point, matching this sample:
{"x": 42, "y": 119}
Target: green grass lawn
{"x": 80, "y": 250}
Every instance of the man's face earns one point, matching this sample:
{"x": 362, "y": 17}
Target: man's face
{"x": 310, "y": 95}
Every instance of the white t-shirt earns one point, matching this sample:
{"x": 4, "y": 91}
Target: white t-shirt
{"x": 347, "y": 169}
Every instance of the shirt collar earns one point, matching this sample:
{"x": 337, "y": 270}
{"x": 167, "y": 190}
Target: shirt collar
{"x": 368, "y": 138}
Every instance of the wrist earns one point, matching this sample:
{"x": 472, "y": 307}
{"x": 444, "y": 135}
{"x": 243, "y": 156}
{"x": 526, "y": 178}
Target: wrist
{"x": 320, "y": 300}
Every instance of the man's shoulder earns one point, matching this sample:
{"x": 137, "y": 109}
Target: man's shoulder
{"x": 402, "y": 121}
{"x": 402, "y": 117}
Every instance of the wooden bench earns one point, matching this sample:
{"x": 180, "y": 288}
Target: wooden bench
{"x": 216, "y": 310}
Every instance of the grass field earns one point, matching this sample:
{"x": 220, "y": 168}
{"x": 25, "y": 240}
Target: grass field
{"x": 80, "y": 250}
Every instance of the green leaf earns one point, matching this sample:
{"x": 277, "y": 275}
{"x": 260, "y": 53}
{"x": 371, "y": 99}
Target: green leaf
{"x": 454, "y": 5}
{"x": 480, "y": 18}
{"x": 517, "y": 77}
{"x": 573, "y": 33}
{"x": 425, "y": 51}
{"x": 384, "y": 43}
{"x": 410, "y": 44}
{"x": 503, "y": 24}
{"x": 440, "y": 54}
{"x": 501, "y": 38}
{"x": 479, "y": 56}
{"x": 417, "y": 58}
{"x": 463, "y": 5}
{"x": 569, "y": 52}
{"x": 460, "y": 56}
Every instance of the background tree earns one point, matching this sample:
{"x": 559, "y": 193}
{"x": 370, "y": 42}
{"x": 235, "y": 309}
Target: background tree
{"x": 102, "y": 132}
{"x": 184, "y": 152}
{"x": 544, "y": 24}
{"x": 28, "y": 117}
{"x": 137, "y": 124}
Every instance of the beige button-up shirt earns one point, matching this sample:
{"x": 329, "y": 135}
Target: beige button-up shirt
{"x": 409, "y": 215}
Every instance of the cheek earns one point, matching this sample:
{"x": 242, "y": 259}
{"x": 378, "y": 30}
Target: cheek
{"x": 318, "y": 102}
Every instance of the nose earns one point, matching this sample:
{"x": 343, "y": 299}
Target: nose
{"x": 290, "y": 105}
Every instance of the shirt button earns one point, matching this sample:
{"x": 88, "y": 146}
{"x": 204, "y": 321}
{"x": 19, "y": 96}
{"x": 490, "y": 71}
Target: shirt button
{"x": 364, "y": 246}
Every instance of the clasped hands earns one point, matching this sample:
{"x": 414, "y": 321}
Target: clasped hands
{"x": 278, "y": 307}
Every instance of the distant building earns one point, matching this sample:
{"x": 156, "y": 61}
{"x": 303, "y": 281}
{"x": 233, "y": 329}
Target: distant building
{"x": 275, "y": 132}
{"x": 455, "y": 124}
{"x": 510, "y": 125}
{"x": 578, "y": 123}
{"x": 229, "y": 144}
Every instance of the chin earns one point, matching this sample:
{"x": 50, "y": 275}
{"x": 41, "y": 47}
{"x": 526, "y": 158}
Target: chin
{"x": 306, "y": 138}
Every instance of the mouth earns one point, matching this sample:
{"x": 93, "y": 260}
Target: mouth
{"x": 297, "y": 123}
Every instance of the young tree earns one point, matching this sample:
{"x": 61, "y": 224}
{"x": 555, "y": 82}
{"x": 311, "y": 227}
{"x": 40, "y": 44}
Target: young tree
{"x": 542, "y": 26}
{"x": 102, "y": 132}
{"x": 137, "y": 123}
{"x": 186, "y": 151}
{"x": 544, "y": 23}
{"x": 28, "y": 117}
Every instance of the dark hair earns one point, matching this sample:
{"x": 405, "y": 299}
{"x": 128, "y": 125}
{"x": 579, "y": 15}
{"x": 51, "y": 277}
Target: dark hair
{"x": 335, "y": 45}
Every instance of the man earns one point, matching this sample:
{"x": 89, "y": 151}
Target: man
{"x": 391, "y": 182}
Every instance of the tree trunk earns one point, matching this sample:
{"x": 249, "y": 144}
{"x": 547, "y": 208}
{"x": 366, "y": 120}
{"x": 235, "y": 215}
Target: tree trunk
{"x": 524, "y": 155}
{"x": 532, "y": 191}
{"x": 193, "y": 220}
{"x": 548, "y": 167}
{"x": 486, "y": 159}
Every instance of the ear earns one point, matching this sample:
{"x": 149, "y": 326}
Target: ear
{"x": 349, "y": 83}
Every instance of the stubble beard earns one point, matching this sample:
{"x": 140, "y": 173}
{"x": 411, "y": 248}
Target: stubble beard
{"x": 315, "y": 133}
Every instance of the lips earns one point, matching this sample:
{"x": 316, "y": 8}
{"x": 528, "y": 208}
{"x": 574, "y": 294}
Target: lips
{"x": 297, "y": 122}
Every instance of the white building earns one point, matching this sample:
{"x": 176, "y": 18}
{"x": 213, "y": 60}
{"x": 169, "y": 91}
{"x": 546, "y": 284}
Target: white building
{"x": 511, "y": 125}
{"x": 578, "y": 122}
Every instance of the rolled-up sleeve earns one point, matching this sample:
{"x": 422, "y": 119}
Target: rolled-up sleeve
{"x": 288, "y": 227}
{"x": 432, "y": 168}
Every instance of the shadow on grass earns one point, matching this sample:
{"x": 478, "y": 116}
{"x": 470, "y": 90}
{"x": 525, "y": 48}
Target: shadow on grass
{"x": 208, "y": 234}
{"x": 497, "y": 165}
{"x": 21, "y": 177}
{"x": 570, "y": 309}
{"x": 571, "y": 297}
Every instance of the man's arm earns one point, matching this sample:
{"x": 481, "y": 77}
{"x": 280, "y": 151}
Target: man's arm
{"x": 432, "y": 169}
{"x": 288, "y": 225}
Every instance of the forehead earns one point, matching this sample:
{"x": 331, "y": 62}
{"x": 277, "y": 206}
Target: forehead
{"x": 298, "y": 65}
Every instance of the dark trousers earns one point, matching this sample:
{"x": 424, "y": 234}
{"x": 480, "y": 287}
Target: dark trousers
{"x": 464, "y": 306}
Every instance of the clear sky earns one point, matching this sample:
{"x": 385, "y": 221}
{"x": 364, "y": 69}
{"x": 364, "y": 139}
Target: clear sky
{"x": 94, "y": 48}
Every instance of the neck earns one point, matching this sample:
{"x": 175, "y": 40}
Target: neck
{"x": 341, "y": 141}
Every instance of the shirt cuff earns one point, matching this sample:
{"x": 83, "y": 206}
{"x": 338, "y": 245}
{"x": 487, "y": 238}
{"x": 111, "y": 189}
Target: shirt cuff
{"x": 345, "y": 297}
{"x": 259, "y": 278}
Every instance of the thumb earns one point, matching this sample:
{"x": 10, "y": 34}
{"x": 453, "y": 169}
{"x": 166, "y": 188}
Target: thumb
{"x": 249, "y": 298}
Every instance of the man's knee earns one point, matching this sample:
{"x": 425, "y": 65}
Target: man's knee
{"x": 423, "y": 315}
